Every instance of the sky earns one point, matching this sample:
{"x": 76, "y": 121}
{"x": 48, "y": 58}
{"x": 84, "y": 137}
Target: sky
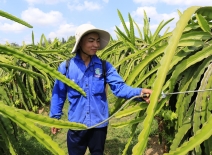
{"x": 60, "y": 18}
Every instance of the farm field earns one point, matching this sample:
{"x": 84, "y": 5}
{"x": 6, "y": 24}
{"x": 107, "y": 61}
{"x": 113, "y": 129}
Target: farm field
{"x": 176, "y": 65}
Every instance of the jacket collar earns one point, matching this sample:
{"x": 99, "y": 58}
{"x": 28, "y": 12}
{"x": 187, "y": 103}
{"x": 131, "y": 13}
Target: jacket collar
{"x": 94, "y": 59}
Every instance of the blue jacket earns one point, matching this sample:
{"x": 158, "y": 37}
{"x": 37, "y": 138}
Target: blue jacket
{"x": 93, "y": 108}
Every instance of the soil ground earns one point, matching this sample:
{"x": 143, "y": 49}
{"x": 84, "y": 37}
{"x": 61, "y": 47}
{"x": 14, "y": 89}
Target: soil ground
{"x": 154, "y": 147}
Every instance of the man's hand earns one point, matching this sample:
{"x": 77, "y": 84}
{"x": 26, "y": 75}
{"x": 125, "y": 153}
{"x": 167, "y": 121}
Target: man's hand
{"x": 54, "y": 130}
{"x": 145, "y": 93}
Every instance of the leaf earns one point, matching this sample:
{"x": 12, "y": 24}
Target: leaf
{"x": 203, "y": 23}
{"x": 131, "y": 110}
{"x": 203, "y": 134}
{"x": 132, "y": 33}
{"x": 206, "y": 12}
{"x": 13, "y": 18}
{"x": 123, "y": 23}
{"x": 191, "y": 42}
{"x": 129, "y": 122}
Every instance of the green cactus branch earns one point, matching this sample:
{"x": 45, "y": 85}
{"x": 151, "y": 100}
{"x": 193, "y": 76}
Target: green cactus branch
{"x": 22, "y": 69}
{"x": 139, "y": 148}
{"x": 30, "y": 127}
{"x": 47, "y": 121}
{"x": 40, "y": 66}
{"x": 204, "y": 133}
{"x": 13, "y": 18}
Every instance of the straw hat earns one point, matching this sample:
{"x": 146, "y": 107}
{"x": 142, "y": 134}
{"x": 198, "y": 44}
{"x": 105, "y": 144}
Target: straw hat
{"x": 87, "y": 28}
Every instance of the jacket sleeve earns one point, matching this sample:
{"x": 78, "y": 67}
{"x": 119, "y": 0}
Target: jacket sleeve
{"x": 118, "y": 86}
{"x": 59, "y": 94}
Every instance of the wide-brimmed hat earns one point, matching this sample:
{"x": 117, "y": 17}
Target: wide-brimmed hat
{"x": 88, "y": 28}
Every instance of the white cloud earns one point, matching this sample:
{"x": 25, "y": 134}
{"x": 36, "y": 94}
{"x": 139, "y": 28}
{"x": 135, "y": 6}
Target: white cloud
{"x": 146, "y": 1}
{"x": 3, "y": 41}
{"x": 31, "y": 2}
{"x": 152, "y": 13}
{"x": 38, "y": 17}
{"x": 2, "y": 18}
{"x": 112, "y": 32}
{"x": 85, "y": 6}
{"x": 176, "y": 2}
{"x": 27, "y": 38}
{"x": 106, "y": 1}
{"x": 166, "y": 17}
{"x": 3, "y": 1}
{"x": 64, "y": 31}
{"x": 14, "y": 27}
{"x": 154, "y": 17}
{"x": 188, "y": 2}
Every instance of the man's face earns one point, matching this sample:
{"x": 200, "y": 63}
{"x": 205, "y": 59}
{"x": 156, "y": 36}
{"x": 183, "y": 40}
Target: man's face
{"x": 90, "y": 43}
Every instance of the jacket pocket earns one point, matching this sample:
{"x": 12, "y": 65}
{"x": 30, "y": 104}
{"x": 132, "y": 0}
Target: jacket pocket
{"x": 98, "y": 86}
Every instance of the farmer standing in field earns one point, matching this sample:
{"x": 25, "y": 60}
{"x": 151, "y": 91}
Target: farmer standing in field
{"x": 85, "y": 69}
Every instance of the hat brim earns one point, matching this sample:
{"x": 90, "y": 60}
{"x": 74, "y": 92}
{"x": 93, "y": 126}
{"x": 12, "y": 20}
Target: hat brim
{"x": 104, "y": 39}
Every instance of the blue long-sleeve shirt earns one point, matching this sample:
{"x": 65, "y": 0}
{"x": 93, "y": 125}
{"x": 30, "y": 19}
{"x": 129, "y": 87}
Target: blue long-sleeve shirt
{"x": 93, "y": 108}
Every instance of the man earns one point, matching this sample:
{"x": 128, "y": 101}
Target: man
{"x": 85, "y": 69}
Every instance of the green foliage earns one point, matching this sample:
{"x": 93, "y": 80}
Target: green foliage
{"x": 175, "y": 61}
{"x": 27, "y": 120}
{"x": 31, "y": 73}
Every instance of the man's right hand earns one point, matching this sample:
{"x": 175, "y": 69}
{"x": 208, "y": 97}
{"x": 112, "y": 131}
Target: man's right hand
{"x": 54, "y": 130}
